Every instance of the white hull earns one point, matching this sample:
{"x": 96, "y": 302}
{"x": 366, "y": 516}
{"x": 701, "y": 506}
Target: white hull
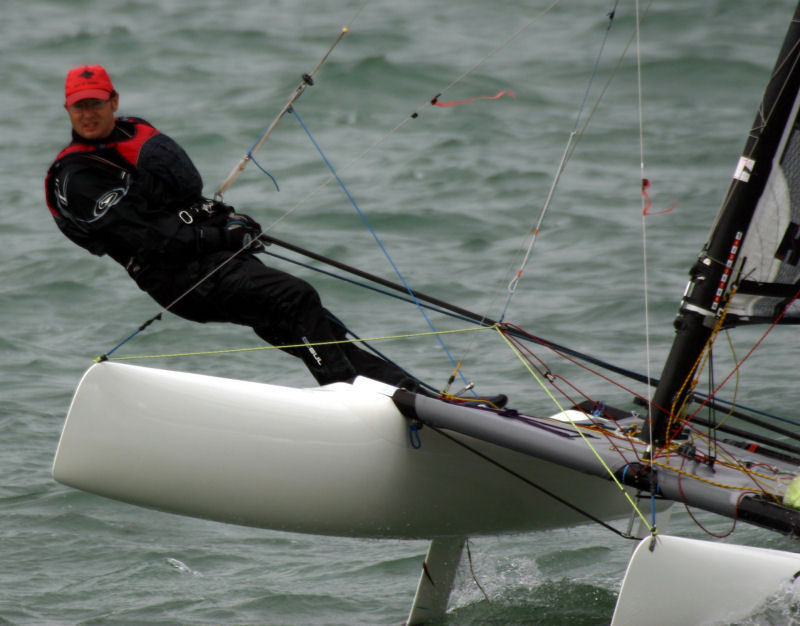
{"x": 679, "y": 581}
{"x": 333, "y": 460}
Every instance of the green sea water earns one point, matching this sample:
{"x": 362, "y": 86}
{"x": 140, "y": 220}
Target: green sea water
{"x": 450, "y": 192}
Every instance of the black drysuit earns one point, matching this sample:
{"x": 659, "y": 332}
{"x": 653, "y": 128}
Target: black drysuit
{"x": 137, "y": 197}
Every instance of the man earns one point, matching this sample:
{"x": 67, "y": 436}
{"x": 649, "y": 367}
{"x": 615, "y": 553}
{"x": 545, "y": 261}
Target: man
{"x": 124, "y": 189}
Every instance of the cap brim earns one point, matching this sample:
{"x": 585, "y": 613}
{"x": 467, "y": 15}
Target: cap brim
{"x": 100, "y": 94}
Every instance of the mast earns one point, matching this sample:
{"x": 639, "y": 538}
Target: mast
{"x": 721, "y": 263}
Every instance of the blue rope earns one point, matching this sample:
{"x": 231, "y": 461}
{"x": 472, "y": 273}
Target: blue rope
{"x": 252, "y": 157}
{"x": 599, "y": 410}
{"x": 131, "y": 336}
{"x": 364, "y": 219}
{"x": 596, "y": 64}
{"x": 120, "y": 344}
{"x": 258, "y": 165}
{"x": 652, "y": 509}
{"x": 413, "y": 436}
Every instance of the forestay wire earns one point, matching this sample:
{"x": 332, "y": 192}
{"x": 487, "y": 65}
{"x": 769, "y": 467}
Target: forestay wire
{"x": 643, "y": 218}
{"x": 574, "y": 134}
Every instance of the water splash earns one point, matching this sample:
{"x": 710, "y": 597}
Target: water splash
{"x": 182, "y": 567}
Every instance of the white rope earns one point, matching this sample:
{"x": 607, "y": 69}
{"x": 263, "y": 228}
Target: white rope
{"x": 569, "y": 148}
{"x": 644, "y": 220}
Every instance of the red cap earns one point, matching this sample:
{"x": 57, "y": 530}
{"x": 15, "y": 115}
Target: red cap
{"x": 87, "y": 81}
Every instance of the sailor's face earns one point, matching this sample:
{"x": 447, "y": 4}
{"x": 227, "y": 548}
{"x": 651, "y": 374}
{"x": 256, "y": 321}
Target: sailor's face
{"x": 93, "y": 119}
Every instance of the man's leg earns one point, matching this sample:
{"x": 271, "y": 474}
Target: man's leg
{"x": 284, "y": 311}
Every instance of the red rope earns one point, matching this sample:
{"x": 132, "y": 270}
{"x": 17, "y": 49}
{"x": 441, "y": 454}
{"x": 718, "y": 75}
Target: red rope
{"x": 646, "y": 210}
{"x": 435, "y": 101}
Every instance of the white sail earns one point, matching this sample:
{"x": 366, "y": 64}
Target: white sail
{"x": 768, "y": 267}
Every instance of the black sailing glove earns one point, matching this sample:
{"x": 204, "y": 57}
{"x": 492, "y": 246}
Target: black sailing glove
{"x": 242, "y": 231}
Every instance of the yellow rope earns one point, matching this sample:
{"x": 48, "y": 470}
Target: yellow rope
{"x": 527, "y": 366}
{"x": 714, "y": 483}
{"x": 692, "y": 378}
{"x": 753, "y": 474}
{"x": 302, "y": 345}
{"x": 735, "y": 386}
{"x": 577, "y": 428}
{"x": 728, "y": 460}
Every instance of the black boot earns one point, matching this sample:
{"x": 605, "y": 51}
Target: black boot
{"x": 368, "y": 364}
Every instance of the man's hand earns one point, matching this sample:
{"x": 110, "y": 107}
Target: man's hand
{"x": 242, "y": 232}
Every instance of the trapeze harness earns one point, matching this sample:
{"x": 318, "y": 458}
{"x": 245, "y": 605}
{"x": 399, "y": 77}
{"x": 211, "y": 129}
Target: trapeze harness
{"x": 135, "y": 196}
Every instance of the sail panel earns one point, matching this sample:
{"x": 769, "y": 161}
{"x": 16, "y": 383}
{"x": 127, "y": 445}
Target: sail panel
{"x": 768, "y": 266}
{"x": 753, "y": 248}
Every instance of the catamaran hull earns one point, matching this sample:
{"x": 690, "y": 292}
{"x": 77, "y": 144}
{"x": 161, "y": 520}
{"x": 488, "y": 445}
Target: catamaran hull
{"x": 335, "y": 460}
{"x": 673, "y": 581}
